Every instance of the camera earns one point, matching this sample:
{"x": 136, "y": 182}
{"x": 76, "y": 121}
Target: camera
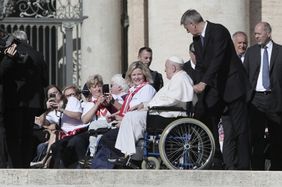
{"x": 6, "y": 40}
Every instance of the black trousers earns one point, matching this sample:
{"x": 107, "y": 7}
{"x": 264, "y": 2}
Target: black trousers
{"x": 109, "y": 139}
{"x": 19, "y": 128}
{"x": 260, "y": 118}
{"x": 3, "y": 144}
{"x": 237, "y": 149}
{"x": 69, "y": 150}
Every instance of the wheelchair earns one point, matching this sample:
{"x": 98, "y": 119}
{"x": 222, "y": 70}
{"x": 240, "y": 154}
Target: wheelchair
{"x": 176, "y": 143}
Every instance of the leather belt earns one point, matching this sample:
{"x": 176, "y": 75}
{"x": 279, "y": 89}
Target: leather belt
{"x": 264, "y": 92}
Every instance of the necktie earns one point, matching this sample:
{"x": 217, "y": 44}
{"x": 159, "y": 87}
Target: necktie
{"x": 265, "y": 70}
{"x": 202, "y": 40}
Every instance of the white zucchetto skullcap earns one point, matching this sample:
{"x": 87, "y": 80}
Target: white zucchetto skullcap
{"x": 176, "y": 59}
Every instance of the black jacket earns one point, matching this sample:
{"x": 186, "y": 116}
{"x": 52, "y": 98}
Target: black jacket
{"x": 219, "y": 66}
{"x": 24, "y": 78}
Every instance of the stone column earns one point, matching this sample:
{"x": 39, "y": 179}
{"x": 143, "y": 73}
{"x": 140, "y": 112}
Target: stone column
{"x": 137, "y": 28}
{"x": 101, "y": 39}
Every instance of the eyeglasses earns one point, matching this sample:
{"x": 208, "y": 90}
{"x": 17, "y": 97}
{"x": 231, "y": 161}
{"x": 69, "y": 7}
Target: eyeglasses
{"x": 71, "y": 94}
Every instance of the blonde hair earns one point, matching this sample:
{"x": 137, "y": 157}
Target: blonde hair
{"x": 138, "y": 65}
{"x": 74, "y": 87}
{"x": 94, "y": 80}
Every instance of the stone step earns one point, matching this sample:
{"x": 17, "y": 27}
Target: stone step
{"x": 144, "y": 178}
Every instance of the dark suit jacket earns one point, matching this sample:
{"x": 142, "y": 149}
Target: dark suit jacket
{"x": 252, "y": 64}
{"x": 190, "y": 71}
{"x": 219, "y": 66}
{"x": 24, "y": 79}
{"x": 157, "y": 80}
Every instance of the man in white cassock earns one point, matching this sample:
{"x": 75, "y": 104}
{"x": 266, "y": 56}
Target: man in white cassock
{"x": 177, "y": 92}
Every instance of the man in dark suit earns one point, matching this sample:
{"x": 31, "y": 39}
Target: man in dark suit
{"x": 221, "y": 83}
{"x": 145, "y": 55}
{"x": 263, "y": 62}
{"x": 240, "y": 40}
{"x": 24, "y": 78}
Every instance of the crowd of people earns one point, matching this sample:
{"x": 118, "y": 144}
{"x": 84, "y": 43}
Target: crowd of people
{"x": 228, "y": 83}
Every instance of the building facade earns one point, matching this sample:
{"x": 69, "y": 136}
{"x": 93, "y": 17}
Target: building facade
{"x": 156, "y": 23}
{"x": 104, "y": 35}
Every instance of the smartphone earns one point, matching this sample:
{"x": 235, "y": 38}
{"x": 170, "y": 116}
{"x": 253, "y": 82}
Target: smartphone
{"x": 106, "y": 89}
{"x": 52, "y": 97}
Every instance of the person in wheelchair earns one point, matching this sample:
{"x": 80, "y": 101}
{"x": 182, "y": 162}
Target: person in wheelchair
{"x": 177, "y": 92}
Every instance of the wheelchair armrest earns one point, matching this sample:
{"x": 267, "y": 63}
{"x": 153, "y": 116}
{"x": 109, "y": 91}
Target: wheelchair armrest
{"x": 93, "y": 132}
{"x": 167, "y": 108}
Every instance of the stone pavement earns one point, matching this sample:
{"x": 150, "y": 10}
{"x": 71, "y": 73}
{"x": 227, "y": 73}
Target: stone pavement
{"x": 144, "y": 178}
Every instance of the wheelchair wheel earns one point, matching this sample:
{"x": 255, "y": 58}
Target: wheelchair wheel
{"x": 186, "y": 144}
{"x": 151, "y": 163}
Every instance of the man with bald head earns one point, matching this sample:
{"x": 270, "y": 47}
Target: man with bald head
{"x": 240, "y": 40}
{"x": 177, "y": 92}
{"x": 263, "y": 62}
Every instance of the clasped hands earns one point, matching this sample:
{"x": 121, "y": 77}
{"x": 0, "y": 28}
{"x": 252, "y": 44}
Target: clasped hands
{"x": 200, "y": 87}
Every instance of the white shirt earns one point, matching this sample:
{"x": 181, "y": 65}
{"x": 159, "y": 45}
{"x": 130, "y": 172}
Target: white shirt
{"x": 67, "y": 124}
{"x": 177, "y": 92}
{"x": 242, "y": 58}
{"x": 145, "y": 94}
{"x": 88, "y": 106}
{"x": 259, "y": 86}
{"x": 192, "y": 64}
{"x": 203, "y": 33}
{"x": 119, "y": 97}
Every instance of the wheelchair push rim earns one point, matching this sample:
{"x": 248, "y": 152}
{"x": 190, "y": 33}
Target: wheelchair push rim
{"x": 186, "y": 144}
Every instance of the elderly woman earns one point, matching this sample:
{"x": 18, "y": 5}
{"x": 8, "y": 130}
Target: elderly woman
{"x": 139, "y": 77}
{"x": 119, "y": 88}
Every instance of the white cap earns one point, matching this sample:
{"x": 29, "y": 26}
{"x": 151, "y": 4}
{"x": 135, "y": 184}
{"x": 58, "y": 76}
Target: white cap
{"x": 176, "y": 59}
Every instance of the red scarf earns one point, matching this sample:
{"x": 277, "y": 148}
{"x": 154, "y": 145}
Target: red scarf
{"x": 102, "y": 111}
{"x": 126, "y": 104}
{"x": 63, "y": 135}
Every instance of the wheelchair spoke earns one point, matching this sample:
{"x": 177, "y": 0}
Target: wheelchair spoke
{"x": 186, "y": 144}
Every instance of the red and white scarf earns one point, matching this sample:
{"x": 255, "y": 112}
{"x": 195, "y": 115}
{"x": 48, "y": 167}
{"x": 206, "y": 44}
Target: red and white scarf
{"x": 102, "y": 111}
{"x": 126, "y": 104}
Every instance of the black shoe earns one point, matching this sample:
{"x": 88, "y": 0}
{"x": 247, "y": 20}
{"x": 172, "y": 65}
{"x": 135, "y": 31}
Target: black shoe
{"x": 122, "y": 161}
